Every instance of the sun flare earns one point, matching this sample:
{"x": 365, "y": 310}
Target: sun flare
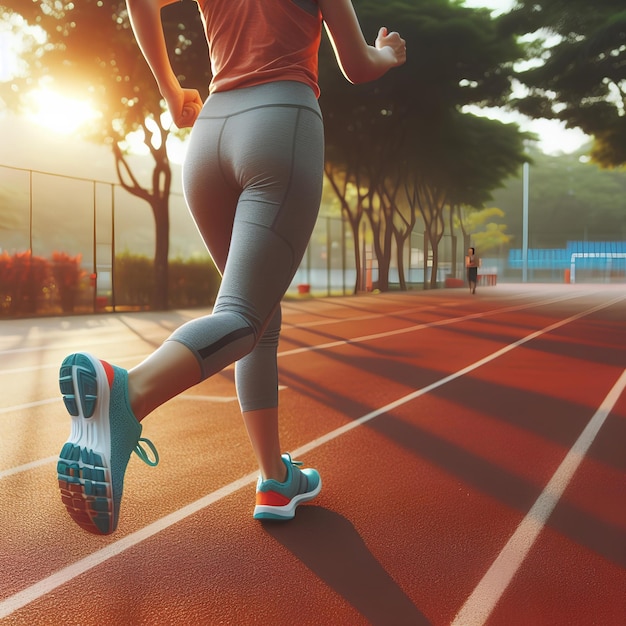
{"x": 59, "y": 113}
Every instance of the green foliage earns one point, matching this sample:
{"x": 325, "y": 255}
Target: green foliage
{"x": 33, "y": 285}
{"x": 134, "y": 280}
{"x": 570, "y": 199}
{"x": 90, "y": 49}
{"x": 486, "y": 229}
{"x": 404, "y": 139}
{"x": 581, "y": 74}
{"x": 192, "y": 283}
{"x": 473, "y": 157}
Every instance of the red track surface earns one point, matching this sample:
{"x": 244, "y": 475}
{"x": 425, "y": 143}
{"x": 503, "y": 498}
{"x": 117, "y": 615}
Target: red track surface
{"x": 471, "y": 448}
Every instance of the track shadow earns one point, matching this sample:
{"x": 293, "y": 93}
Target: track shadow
{"x": 586, "y": 341}
{"x": 555, "y": 420}
{"x": 168, "y": 324}
{"x": 516, "y": 492}
{"x": 330, "y": 546}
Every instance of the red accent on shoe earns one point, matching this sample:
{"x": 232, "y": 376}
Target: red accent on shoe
{"x": 110, "y": 372}
{"x": 271, "y": 498}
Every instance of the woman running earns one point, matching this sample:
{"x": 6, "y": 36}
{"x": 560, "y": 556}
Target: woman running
{"x": 252, "y": 179}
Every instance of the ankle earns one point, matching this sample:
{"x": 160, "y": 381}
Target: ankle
{"x": 277, "y": 471}
{"x": 135, "y": 399}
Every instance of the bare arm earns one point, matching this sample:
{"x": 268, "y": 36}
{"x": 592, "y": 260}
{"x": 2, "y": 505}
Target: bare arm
{"x": 359, "y": 61}
{"x": 145, "y": 18}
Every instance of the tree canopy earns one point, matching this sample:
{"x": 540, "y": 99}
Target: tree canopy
{"x": 578, "y": 74}
{"x": 397, "y": 147}
{"x": 89, "y": 49}
{"x": 569, "y": 200}
{"x": 403, "y": 142}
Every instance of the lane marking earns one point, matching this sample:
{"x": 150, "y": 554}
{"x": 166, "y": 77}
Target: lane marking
{"x": 158, "y": 336}
{"x": 37, "y": 590}
{"x": 28, "y": 466}
{"x": 361, "y": 318}
{"x": 435, "y": 324}
{"x": 442, "y": 381}
{"x": 155, "y": 336}
{"x": 53, "y": 459}
{"x": 483, "y": 599}
{"x": 46, "y": 366}
{"x": 62, "y": 576}
{"x": 318, "y": 347}
{"x": 216, "y": 399}
{"x": 28, "y": 405}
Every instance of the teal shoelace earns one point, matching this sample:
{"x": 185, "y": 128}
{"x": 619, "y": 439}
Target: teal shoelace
{"x": 144, "y": 454}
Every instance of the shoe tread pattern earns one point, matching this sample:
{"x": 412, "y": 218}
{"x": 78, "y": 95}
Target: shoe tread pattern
{"x": 83, "y": 477}
{"x": 84, "y": 398}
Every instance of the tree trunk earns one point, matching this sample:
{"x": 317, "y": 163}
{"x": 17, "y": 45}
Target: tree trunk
{"x": 400, "y": 241}
{"x": 158, "y": 198}
{"x": 160, "y": 296}
{"x": 354, "y": 227}
{"x": 433, "y": 273}
{"x": 352, "y": 215}
{"x": 453, "y": 241}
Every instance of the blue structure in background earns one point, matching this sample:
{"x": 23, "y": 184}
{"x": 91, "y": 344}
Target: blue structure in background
{"x": 561, "y": 258}
{"x": 598, "y": 256}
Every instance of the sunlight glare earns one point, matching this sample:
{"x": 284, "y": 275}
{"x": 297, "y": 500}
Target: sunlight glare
{"x": 176, "y": 147}
{"x": 57, "y": 112}
{"x": 17, "y": 37}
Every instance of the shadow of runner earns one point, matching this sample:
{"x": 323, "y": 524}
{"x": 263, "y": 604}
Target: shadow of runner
{"x": 329, "y": 545}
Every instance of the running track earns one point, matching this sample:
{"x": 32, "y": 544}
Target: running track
{"x": 472, "y": 450}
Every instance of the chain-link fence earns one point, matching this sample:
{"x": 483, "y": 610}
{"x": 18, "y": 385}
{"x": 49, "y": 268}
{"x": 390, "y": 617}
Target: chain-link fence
{"x": 74, "y": 244}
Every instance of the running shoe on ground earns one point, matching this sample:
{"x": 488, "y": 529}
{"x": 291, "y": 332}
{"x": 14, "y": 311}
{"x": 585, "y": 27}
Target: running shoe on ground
{"x": 103, "y": 435}
{"x": 278, "y": 501}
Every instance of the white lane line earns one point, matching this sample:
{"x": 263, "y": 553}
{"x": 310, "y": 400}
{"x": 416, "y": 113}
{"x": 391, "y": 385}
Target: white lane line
{"x": 369, "y": 416}
{"x": 362, "y": 318}
{"x": 519, "y": 307}
{"x": 443, "y": 381}
{"x": 483, "y": 599}
{"x": 45, "y": 586}
{"x": 28, "y": 405}
{"x": 53, "y": 459}
{"x": 46, "y": 366}
{"x": 158, "y": 336}
{"x": 30, "y": 594}
{"x": 28, "y": 466}
{"x": 443, "y": 322}
{"x": 216, "y": 399}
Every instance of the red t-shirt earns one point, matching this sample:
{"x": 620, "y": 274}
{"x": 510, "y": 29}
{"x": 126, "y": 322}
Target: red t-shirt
{"x": 252, "y": 42}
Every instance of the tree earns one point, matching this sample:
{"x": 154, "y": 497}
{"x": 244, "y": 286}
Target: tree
{"x": 90, "y": 49}
{"x": 487, "y": 234}
{"x": 579, "y": 73}
{"x": 468, "y": 158}
{"x": 569, "y": 200}
{"x": 396, "y": 133}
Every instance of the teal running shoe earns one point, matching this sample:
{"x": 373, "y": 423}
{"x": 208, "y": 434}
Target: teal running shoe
{"x": 103, "y": 435}
{"x": 278, "y": 501}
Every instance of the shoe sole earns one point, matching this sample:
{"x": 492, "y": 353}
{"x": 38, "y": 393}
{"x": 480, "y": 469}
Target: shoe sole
{"x": 287, "y": 511}
{"x": 84, "y": 468}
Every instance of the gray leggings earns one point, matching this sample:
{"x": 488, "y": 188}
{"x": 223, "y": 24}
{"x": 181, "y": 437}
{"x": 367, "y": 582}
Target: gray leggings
{"x": 253, "y": 181}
